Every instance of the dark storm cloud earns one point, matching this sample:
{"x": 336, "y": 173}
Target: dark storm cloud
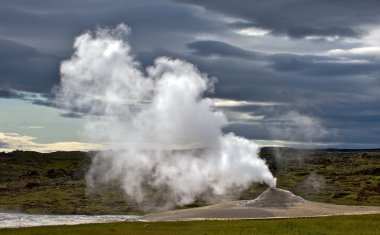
{"x": 45, "y": 102}
{"x": 6, "y": 93}
{"x": 49, "y": 27}
{"x": 303, "y": 31}
{"x": 281, "y": 73}
{"x": 304, "y": 64}
{"x": 210, "y": 48}
{"x": 341, "y": 92}
{"x": 151, "y": 21}
{"x": 257, "y": 131}
{"x": 71, "y": 115}
{"x": 24, "y": 68}
{"x": 322, "y": 66}
{"x": 301, "y": 18}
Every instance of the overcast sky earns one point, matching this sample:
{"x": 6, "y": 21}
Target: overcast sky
{"x": 290, "y": 72}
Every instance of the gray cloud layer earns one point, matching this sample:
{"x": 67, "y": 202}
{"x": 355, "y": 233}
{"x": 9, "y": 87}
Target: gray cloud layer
{"x": 340, "y": 91}
{"x": 299, "y": 19}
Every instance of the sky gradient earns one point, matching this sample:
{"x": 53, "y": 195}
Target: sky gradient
{"x": 290, "y": 73}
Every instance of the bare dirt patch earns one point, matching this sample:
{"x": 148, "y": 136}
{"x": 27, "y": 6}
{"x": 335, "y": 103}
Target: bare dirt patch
{"x": 273, "y": 203}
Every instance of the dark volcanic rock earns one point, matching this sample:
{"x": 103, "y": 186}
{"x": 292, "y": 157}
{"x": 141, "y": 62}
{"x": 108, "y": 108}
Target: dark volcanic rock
{"x": 55, "y": 173}
{"x": 33, "y": 184}
{"x": 30, "y": 174}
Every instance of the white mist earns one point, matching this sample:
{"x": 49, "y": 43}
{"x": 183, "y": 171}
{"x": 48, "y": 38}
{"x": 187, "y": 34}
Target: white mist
{"x": 162, "y": 133}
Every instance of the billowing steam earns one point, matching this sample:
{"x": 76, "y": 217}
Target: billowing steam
{"x": 162, "y": 133}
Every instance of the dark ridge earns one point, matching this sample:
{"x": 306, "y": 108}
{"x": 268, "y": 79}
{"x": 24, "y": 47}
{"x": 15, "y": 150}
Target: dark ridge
{"x": 288, "y": 149}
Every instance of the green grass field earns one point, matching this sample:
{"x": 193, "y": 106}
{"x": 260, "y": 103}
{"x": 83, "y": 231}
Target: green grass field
{"x": 53, "y": 183}
{"x": 355, "y": 225}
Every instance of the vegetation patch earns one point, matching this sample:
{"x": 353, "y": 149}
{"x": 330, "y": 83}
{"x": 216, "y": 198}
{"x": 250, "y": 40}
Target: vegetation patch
{"x": 363, "y": 224}
{"x": 54, "y": 183}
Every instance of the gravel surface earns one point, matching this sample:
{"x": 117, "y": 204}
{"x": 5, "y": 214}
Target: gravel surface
{"x": 271, "y": 204}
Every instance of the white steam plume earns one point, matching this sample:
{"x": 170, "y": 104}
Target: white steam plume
{"x": 163, "y": 133}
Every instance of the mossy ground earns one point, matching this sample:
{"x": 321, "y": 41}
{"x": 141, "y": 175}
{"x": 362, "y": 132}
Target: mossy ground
{"x": 54, "y": 183}
{"x": 339, "y": 177}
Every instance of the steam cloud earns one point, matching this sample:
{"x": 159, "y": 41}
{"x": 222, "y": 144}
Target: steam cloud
{"x": 162, "y": 132}
{"x": 296, "y": 126}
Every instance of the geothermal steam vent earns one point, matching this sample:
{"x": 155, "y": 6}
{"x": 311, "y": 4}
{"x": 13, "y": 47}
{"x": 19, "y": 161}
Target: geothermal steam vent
{"x": 144, "y": 113}
{"x": 274, "y": 197}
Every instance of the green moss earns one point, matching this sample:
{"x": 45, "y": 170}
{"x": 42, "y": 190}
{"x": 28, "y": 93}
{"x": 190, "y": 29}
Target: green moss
{"x": 323, "y": 176}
